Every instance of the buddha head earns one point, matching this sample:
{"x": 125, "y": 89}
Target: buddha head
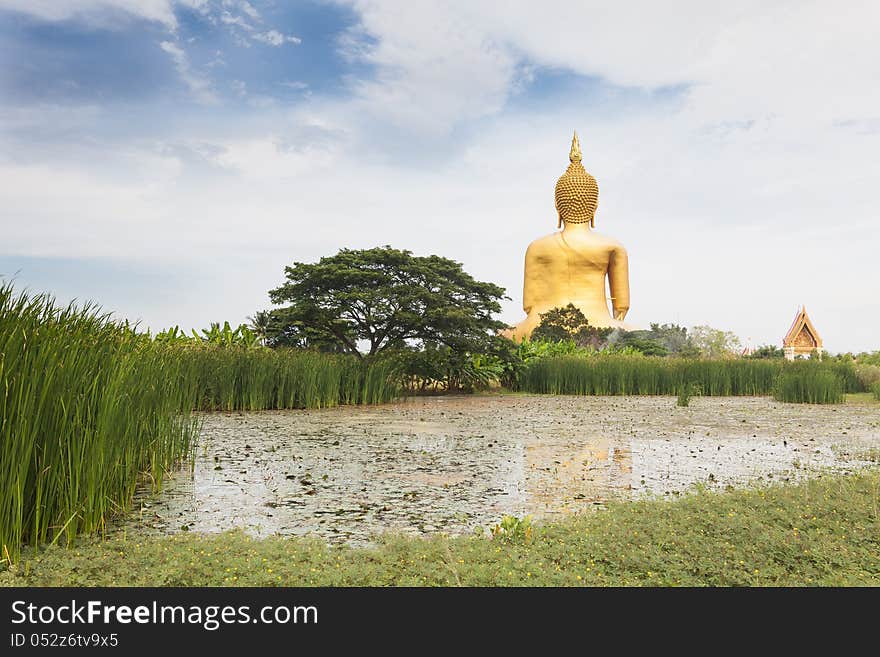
{"x": 577, "y": 193}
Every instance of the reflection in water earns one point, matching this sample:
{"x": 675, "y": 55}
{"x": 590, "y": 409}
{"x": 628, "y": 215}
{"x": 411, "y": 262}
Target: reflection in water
{"x": 453, "y": 463}
{"x": 566, "y": 477}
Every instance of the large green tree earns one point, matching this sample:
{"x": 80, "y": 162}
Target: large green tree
{"x": 714, "y": 343}
{"x": 383, "y": 298}
{"x": 569, "y": 323}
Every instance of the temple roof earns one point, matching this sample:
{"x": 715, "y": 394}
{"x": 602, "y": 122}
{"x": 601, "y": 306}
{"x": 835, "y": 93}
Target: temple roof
{"x": 801, "y": 322}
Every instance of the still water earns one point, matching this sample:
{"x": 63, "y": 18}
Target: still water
{"x": 452, "y": 464}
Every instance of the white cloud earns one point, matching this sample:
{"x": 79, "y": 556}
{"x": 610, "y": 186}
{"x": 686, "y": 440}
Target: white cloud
{"x": 750, "y": 192}
{"x": 441, "y": 63}
{"x": 238, "y": 21}
{"x": 275, "y": 38}
{"x": 200, "y": 87}
{"x": 249, "y": 9}
{"x": 94, "y": 11}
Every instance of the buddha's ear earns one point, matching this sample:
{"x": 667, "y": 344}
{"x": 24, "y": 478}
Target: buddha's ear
{"x": 559, "y": 219}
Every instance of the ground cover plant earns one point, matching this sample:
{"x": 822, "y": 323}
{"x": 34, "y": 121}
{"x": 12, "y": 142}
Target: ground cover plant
{"x": 823, "y": 532}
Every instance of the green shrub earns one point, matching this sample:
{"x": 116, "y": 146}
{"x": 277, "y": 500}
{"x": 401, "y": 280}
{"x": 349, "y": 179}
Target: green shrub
{"x": 847, "y": 373}
{"x": 685, "y": 393}
{"x": 868, "y": 375}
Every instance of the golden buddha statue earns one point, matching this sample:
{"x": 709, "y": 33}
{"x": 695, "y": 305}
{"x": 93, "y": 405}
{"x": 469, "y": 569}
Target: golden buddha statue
{"x": 570, "y": 266}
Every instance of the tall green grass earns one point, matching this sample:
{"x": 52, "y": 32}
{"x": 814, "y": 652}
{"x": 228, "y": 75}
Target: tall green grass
{"x": 88, "y": 407}
{"x": 808, "y": 383}
{"x": 639, "y": 375}
{"x": 236, "y": 379}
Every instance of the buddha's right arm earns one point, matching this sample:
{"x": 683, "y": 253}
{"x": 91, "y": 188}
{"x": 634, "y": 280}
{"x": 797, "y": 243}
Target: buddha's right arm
{"x": 618, "y": 282}
{"x": 528, "y": 288}
{"x": 533, "y": 283}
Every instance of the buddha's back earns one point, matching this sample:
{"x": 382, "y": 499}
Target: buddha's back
{"x": 570, "y": 266}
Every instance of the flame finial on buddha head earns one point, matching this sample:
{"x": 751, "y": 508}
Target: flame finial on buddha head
{"x": 577, "y": 193}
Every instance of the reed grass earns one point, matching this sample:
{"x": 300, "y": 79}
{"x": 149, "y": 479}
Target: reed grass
{"x": 806, "y": 383}
{"x": 88, "y": 407}
{"x": 237, "y": 379}
{"x": 639, "y": 375}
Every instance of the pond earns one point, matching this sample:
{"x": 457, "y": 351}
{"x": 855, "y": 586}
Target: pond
{"x": 452, "y": 464}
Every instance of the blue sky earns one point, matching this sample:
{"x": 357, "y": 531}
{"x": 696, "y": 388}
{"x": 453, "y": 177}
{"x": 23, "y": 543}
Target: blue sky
{"x": 167, "y": 158}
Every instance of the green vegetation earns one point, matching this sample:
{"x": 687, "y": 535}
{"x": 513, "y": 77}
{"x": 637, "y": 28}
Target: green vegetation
{"x": 809, "y": 385}
{"x": 385, "y": 299}
{"x": 596, "y": 373}
{"x": 864, "y": 358}
{"x": 875, "y": 390}
{"x": 685, "y": 393}
{"x": 88, "y": 406}
{"x": 714, "y": 343}
{"x": 217, "y": 335}
{"x": 844, "y": 371}
{"x": 263, "y": 379}
{"x": 438, "y": 368}
{"x": 425, "y": 315}
{"x": 820, "y": 532}
{"x": 768, "y": 351}
{"x": 868, "y": 375}
{"x": 569, "y": 324}
{"x": 640, "y": 375}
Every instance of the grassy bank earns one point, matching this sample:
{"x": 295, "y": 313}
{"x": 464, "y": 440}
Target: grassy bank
{"x": 819, "y": 532}
{"x": 613, "y": 374}
{"x": 88, "y": 407}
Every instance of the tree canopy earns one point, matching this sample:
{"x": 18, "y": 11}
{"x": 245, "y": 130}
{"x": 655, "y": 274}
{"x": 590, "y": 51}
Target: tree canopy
{"x": 569, "y": 323}
{"x": 660, "y": 340}
{"x": 383, "y": 298}
{"x": 714, "y": 343}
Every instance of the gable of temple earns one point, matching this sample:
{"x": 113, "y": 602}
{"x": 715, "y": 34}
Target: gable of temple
{"x": 805, "y": 339}
{"x": 802, "y": 338}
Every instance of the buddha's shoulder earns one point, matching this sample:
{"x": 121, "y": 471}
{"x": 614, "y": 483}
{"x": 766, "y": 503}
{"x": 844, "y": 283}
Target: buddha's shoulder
{"x": 605, "y": 239}
{"x": 548, "y": 242}
{"x": 554, "y": 241}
